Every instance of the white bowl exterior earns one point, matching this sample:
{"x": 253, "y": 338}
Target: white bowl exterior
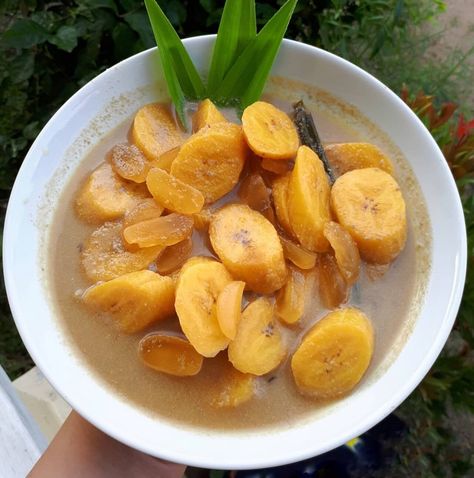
{"x": 42, "y": 334}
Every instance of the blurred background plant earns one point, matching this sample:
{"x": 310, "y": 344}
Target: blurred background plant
{"x": 49, "y": 49}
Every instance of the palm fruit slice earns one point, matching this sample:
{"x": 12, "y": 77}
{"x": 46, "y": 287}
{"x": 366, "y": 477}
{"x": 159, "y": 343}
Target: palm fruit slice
{"x": 129, "y": 162}
{"x": 172, "y": 193}
{"x": 161, "y": 231}
{"x": 229, "y": 303}
{"x": 290, "y": 298}
{"x": 345, "y": 250}
{"x": 170, "y": 354}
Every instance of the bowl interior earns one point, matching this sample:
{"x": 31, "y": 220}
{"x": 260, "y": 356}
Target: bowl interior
{"x": 108, "y": 100}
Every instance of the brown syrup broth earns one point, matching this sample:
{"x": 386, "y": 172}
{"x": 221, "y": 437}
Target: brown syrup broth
{"x": 388, "y": 301}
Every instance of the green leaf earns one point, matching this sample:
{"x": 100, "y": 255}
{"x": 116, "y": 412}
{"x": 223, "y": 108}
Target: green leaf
{"x": 246, "y": 78}
{"x": 21, "y": 68}
{"x": 65, "y": 38}
{"x": 140, "y": 23}
{"x": 181, "y": 76}
{"x": 24, "y": 33}
{"x": 93, "y": 4}
{"x": 236, "y": 29}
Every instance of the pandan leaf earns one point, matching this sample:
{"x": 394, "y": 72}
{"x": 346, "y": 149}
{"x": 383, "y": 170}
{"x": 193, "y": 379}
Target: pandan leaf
{"x": 236, "y": 29}
{"x": 181, "y": 76}
{"x": 246, "y": 78}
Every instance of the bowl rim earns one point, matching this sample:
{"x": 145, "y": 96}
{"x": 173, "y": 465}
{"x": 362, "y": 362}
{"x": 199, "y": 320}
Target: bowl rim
{"x": 283, "y": 458}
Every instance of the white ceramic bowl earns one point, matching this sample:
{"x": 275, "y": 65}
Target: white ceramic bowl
{"x": 42, "y": 335}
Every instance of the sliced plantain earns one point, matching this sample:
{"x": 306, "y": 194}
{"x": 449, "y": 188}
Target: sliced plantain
{"x": 269, "y": 132}
{"x": 170, "y": 354}
{"x": 229, "y": 303}
{"x": 368, "y": 203}
{"x": 172, "y": 193}
{"x": 105, "y": 196}
{"x": 212, "y": 160}
{"x": 334, "y": 354}
{"x": 290, "y": 298}
{"x": 345, "y": 250}
{"x": 105, "y": 257}
{"x": 135, "y": 300}
{"x": 308, "y": 200}
{"x": 206, "y": 115}
{"x": 345, "y": 157}
{"x": 234, "y": 389}
{"x": 249, "y": 247}
{"x": 155, "y": 131}
{"x": 199, "y": 284}
{"x": 258, "y": 347}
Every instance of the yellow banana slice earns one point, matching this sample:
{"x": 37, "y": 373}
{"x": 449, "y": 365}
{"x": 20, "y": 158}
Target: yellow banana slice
{"x": 135, "y": 300}
{"x": 368, "y": 203}
{"x": 199, "y": 285}
{"x": 248, "y": 245}
{"x": 334, "y": 354}
{"x": 258, "y": 347}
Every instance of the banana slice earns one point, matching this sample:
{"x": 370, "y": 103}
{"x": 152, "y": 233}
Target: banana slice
{"x": 308, "y": 200}
{"x": 212, "y": 159}
{"x": 368, "y": 203}
{"x": 135, "y": 300}
{"x": 199, "y": 285}
{"x": 105, "y": 196}
{"x": 334, "y": 354}
{"x": 105, "y": 256}
{"x": 170, "y": 354}
{"x": 269, "y": 132}
{"x": 258, "y": 347}
{"x": 235, "y": 388}
{"x": 249, "y": 247}
{"x": 154, "y": 130}
{"x": 344, "y": 157}
{"x": 206, "y": 115}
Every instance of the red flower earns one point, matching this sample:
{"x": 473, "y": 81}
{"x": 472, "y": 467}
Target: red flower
{"x": 464, "y": 128}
